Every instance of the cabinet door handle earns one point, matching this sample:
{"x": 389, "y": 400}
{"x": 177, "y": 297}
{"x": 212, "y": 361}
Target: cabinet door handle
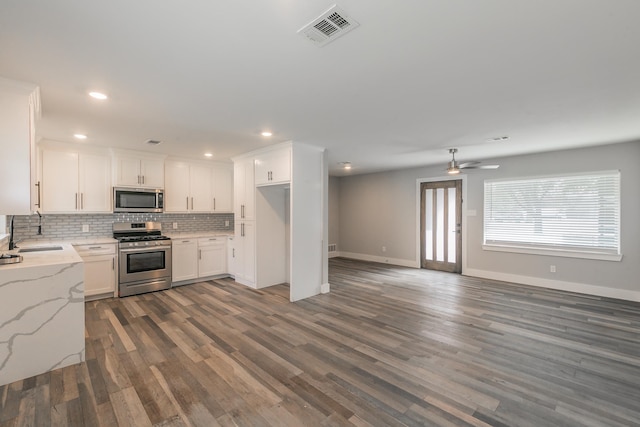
{"x": 199, "y": 253}
{"x": 242, "y": 229}
{"x": 187, "y": 203}
{"x": 233, "y": 252}
{"x": 214, "y": 203}
{"x": 76, "y": 200}
{"x": 138, "y": 179}
{"x": 192, "y": 203}
{"x": 143, "y": 179}
{"x": 81, "y": 200}
{"x": 113, "y": 263}
{"x": 38, "y": 202}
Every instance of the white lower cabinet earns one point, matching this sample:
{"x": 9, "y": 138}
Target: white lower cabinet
{"x": 99, "y": 269}
{"x": 184, "y": 259}
{"x": 231, "y": 255}
{"x": 212, "y": 256}
{"x": 197, "y": 258}
{"x": 245, "y": 262}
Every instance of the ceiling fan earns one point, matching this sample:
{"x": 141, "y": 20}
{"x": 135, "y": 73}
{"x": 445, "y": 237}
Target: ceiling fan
{"x": 453, "y": 167}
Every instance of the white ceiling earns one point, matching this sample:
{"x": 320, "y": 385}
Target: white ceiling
{"x": 416, "y": 77}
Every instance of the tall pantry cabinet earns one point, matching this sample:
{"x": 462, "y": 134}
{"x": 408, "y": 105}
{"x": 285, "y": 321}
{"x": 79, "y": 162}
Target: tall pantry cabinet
{"x": 281, "y": 238}
{"x": 244, "y": 201}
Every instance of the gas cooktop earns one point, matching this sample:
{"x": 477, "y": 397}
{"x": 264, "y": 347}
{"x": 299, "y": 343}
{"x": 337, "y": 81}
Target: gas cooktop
{"x": 141, "y": 238}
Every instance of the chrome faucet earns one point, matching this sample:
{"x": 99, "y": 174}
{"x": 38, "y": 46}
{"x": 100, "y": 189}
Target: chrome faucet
{"x": 12, "y": 244}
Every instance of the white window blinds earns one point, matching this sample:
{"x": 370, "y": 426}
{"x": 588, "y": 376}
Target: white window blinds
{"x": 567, "y": 212}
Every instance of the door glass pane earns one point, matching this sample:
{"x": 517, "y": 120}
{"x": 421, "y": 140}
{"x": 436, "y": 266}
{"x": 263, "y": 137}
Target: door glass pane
{"x": 428, "y": 224}
{"x": 451, "y": 225}
{"x": 440, "y": 224}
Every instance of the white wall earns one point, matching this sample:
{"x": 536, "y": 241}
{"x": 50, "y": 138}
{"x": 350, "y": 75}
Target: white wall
{"x": 334, "y": 210}
{"x": 380, "y": 210}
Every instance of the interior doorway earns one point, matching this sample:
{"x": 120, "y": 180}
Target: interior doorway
{"x": 441, "y": 225}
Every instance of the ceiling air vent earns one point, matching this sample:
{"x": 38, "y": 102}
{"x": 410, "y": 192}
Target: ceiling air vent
{"x": 327, "y": 27}
{"x": 153, "y": 141}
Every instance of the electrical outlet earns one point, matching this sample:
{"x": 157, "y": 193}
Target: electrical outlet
{"x": 175, "y": 225}
{"x": 226, "y": 223}
{"x": 552, "y": 268}
{"x": 85, "y": 228}
{"x": 384, "y": 249}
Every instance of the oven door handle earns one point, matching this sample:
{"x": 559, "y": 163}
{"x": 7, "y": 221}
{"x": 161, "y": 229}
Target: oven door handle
{"x": 145, "y": 249}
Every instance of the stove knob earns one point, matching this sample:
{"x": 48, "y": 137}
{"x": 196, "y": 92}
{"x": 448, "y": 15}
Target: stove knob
{"x": 135, "y": 244}
{"x": 146, "y": 243}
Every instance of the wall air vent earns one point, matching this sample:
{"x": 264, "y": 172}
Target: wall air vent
{"x": 327, "y": 27}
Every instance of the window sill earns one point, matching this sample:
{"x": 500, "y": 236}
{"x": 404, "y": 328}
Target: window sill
{"x": 553, "y": 252}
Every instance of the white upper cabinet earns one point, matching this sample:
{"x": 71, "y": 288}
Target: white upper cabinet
{"x": 188, "y": 187}
{"x": 201, "y": 189}
{"x": 222, "y": 189}
{"x": 75, "y": 182}
{"x": 19, "y": 106}
{"x": 132, "y": 171}
{"x": 244, "y": 189}
{"x": 273, "y": 167}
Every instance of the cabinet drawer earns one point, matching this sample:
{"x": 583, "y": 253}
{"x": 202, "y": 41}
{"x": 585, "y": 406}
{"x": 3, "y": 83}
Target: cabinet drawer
{"x": 93, "y": 250}
{"x": 210, "y": 241}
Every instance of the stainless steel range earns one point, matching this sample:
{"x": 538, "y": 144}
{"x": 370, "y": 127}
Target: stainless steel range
{"x": 144, "y": 257}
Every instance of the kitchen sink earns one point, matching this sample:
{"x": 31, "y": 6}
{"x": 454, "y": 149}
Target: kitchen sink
{"x": 41, "y": 249}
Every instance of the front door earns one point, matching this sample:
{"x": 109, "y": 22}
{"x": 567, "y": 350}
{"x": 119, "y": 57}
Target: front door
{"x": 441, "y": 225}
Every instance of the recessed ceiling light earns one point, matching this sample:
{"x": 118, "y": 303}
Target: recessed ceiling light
{"x": 208, "y": 154}
{"x": 79, "y": 136}
{"x": 266, "y": 133}
{"x": 98, "y": 95}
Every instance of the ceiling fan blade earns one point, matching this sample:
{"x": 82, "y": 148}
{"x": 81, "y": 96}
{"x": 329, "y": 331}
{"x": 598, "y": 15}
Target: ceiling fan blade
{"x": 480, "y": 167}
{"x": 467, "y": 164}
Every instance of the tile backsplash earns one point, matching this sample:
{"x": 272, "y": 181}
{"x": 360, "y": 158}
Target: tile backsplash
{"x": 100, "y": 225}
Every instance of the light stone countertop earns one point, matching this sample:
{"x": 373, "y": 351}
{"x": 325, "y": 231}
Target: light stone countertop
{"x": 67, "y": 255}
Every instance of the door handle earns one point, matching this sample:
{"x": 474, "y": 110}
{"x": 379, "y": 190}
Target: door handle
{"x": 38, "y": 202}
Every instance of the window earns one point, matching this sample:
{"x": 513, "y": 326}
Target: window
{"x": 565, "y": 215}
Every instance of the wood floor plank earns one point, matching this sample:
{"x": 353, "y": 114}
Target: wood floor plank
{"x": 388, "y": 346}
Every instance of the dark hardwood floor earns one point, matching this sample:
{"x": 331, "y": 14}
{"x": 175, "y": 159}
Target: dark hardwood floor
{"x": 389, "y": 346}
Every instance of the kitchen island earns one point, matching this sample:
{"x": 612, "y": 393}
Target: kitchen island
{"x": 41, "y": 313}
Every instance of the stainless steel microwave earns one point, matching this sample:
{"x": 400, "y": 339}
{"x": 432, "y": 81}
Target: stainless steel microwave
{"x": 138, "y": 199}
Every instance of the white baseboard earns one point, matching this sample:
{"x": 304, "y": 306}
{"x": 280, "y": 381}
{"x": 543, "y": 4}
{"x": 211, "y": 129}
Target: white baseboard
{"x": 384, "y": 260}
{"x": 325, "y": 288}
{"x": 334, "y": 254}
{"x": 581, "y": 288}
